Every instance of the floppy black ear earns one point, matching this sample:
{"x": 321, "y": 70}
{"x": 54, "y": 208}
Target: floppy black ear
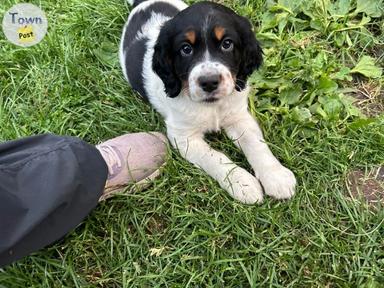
{"x": 162, "y": 64}
{"x": 252, "y": 54}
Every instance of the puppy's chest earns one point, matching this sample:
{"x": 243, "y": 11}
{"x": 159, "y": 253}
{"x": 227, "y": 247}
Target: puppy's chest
{"x": 205, "y": 119}
{"x": 211, "y": 121}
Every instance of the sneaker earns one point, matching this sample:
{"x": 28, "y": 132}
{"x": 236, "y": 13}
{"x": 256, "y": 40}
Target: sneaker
{"x": 132, "y": 159}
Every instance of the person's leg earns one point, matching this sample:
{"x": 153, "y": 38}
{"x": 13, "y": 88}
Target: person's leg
{"x": 48, "y": 184}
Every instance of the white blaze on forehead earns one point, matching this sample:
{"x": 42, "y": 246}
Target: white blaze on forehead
{"x": 207, "y": 56}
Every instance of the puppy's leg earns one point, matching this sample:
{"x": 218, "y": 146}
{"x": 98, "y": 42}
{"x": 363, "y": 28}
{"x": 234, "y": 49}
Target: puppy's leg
{"x": 278, "y": 181}
{"x": 240, "y": 184}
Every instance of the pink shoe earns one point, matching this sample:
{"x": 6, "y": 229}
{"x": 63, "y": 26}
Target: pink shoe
{"x": 132, "y": 159}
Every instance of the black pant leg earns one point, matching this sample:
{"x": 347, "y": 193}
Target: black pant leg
{"x": 48, "y": 185}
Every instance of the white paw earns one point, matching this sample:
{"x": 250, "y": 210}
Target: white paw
{"x": 243, "y": 186}
{"x": 278, "y": 182}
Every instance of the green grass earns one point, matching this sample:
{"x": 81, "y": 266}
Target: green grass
{"x": 185, "y": 231}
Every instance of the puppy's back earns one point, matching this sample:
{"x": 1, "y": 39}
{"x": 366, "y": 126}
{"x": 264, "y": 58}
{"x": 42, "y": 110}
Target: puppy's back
{"x": 143, "y": 25}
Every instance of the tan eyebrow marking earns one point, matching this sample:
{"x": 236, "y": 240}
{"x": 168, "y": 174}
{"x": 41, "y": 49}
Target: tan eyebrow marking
{"x": 219, "y": 32}
{"x": 191, "y": 36}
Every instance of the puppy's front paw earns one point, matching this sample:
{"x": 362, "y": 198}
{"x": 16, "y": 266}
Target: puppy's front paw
{"x": 243, "y": 186}
{"x": 278, "y": 182}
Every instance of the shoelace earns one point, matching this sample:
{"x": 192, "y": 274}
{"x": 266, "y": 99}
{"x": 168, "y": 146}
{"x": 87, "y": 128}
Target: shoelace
{"x": 113, "y": 158}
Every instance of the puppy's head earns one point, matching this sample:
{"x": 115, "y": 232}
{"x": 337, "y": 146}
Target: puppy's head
{"x": 206, "y": 50}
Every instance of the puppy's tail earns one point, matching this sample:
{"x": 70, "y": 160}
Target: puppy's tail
{"x": 134, "y": 3}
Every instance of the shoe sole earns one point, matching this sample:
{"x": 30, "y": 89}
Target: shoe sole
{"x": 137, "y": 187}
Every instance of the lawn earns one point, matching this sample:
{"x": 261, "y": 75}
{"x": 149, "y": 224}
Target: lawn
{"x": 320, "y": 100}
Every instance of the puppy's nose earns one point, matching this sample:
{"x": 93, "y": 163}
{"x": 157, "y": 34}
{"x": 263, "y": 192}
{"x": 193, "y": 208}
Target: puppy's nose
{"x": 209, "y": 83}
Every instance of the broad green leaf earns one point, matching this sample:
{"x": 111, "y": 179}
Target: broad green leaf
{"x": 349, "y": 108}
{"x": 318, "y": 24}
{"x": 301, "y": 115}
{"x": 260, "y": 82}
{"x": 312, "y": 9}
{"x": 367, "y": 67}
{"x": 373, "y": 8}
{"x": 332, "y": 106}
{"x": 282, "y": 20}
{"x": 326, "y": 84}
{"x": 340, "y": 8}
{"x": 361, "y": 123}
{"x": 268, "y": 21}
{"x": 320, "y": 61}
{"x": 343, "y": 74}
{"x": 298, "y": 24}
{"x": 264, "y": 104}
{"x": 290, "y": 95}
{"x": 265, "y": 36}
{"x": 294, "y": 63}
{"x": 316, "y": 109}
{"x": 353, "y": 111}
{"x": 290, "y": 5}
{"x": 343, "y": 7}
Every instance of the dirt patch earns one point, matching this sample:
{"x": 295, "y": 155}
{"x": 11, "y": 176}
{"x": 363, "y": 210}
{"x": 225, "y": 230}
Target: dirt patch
{"x": 369, "y": 97}
{"x": 368, "y": 185}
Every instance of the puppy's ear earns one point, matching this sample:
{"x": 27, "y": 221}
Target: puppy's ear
{"x": 251, "y": 56}
{"x": 163, "y": 66}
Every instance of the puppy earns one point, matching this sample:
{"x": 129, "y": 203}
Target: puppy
{"x": 192, "y": 64}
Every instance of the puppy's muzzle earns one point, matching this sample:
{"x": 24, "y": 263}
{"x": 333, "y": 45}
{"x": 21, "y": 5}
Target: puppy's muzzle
{"x": 210, "y": 82}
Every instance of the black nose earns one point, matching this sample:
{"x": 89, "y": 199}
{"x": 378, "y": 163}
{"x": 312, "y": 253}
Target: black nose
{"x": 209, "y": 83}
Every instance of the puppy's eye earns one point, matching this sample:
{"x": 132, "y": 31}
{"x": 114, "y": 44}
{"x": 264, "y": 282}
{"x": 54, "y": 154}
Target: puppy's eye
{"x": 186, "y": 50}
{"x": 227, "y": 45}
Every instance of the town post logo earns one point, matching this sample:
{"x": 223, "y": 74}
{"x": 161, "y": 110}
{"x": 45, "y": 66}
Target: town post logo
{"x": 25, "y": 24}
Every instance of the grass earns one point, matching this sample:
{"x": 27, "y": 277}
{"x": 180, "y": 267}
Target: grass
{"x": 185, "y": 231}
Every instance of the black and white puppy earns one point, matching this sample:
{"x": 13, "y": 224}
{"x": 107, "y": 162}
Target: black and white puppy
{"x": 192, "y": 63}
